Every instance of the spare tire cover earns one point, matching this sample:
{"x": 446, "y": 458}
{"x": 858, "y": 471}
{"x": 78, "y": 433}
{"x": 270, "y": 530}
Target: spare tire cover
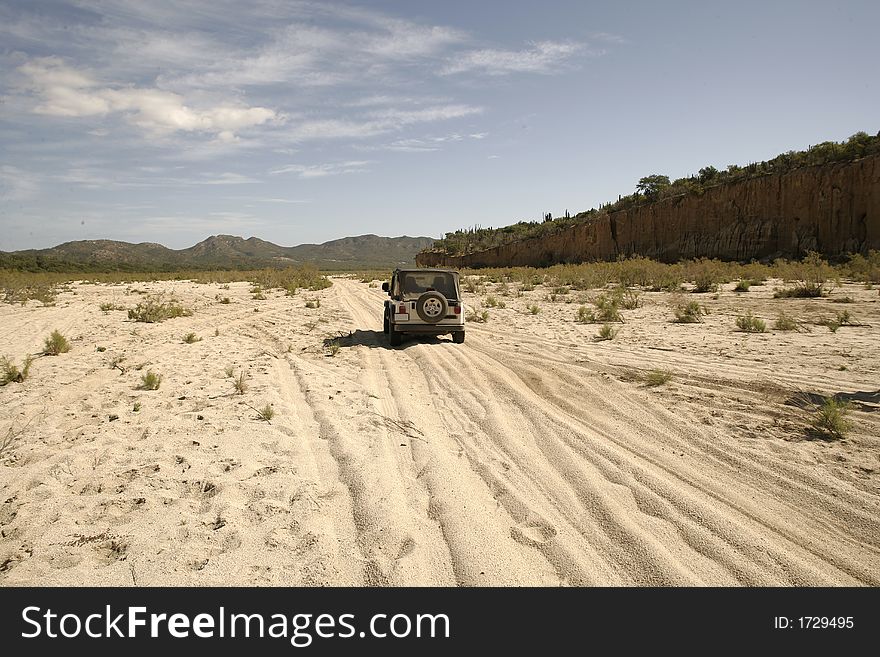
{"x": 432, "y": 307}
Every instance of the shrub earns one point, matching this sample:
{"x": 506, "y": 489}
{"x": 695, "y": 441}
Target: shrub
{"x": 608, "y": 309}
{"x": 657, "y": 377}
{"x": 190, "y": 338}
{"x": 607, "y": 332}
{"x": 707, "y": 274}
{"x": 810, "y": 277}
{"x": 154, "y": 310}
{"x": 831, "y": 420}
{"x": 785, "y": 323}
{"x": 585, "y": 315}
{"x": 111, "y": 306}
{"x": 266, "y": 413}
{"x": 225, "y": 300}
{"x": 9, "y": 372}
{"x": 333, "y": 347}
{"x": 137, "y": 407}
{"x": 313, "y": 303}
{"x": 228, "y": 371}
{"x": 534, "y": 310}
{"x": 627, "y": 299}
{"x": 492, "y": 302}
{"x": 750, "y": 324}
{"x": 742, "y": 286}
{"x": 56, "y": 344}
{"x": 150, "y": 381}
{"x": 688, "y": 313}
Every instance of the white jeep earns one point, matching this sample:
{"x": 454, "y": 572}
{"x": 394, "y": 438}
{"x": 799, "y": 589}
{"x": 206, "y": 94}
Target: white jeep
{"x": 423, "y": 301}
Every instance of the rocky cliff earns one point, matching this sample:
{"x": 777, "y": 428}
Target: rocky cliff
{"x": 832, "y": 208}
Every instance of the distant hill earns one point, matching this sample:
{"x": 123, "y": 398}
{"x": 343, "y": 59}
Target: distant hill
{"x": 219, "y": 252}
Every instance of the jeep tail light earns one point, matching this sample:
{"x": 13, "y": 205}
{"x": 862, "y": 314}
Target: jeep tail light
{"x": 402, "y": 309}
{"x": 458, "y": 310}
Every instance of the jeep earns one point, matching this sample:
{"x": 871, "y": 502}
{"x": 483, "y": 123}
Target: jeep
{"x": 423, "y": 301}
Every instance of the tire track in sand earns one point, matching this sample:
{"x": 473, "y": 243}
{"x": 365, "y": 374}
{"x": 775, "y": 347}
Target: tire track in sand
{"x": 658, "y": 520}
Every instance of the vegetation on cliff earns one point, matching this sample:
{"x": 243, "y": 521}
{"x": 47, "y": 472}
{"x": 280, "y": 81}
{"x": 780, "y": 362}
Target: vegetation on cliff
{"x": 655, "y": 187}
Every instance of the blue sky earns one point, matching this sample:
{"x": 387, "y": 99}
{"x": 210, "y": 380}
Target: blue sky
{"x": 303, "y": 122}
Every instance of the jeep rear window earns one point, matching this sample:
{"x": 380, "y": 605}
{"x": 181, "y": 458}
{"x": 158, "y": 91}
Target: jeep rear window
{"x": 416, "y": 283}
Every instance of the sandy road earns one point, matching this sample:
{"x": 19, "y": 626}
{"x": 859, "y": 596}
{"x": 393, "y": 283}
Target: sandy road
{"x": 529, "y": 455}
{"x": 537, "y": 470}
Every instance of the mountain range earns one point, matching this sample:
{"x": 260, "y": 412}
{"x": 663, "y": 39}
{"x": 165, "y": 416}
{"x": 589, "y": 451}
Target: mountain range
{"x": 219, "y": 252}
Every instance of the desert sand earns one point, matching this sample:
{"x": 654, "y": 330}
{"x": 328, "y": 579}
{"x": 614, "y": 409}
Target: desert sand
{"x": 530, "y": 455}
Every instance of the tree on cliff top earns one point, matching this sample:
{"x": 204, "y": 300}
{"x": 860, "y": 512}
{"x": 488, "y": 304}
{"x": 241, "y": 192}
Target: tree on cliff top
{"x": 652, "y": 185}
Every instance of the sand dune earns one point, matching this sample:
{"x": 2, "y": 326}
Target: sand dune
{"x": 530, "y": 455}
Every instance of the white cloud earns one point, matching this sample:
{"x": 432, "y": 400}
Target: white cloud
{"x": 540, "y": 57}
{"x": 64, "y": 91}
{"x": 228, "y": 179}
{"x": 377, "y": 122}
{"x": 397, "y": 117}
{"x": 322, "y": 170}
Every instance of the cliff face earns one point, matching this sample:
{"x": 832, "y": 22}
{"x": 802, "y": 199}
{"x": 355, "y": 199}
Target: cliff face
{"x": 833, "y": 209}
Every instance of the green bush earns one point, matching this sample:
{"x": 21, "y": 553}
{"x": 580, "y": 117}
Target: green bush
{"x": 152, "y": 310}
{"x": 56, "y": 344}
{"x": 750, "y": 324}
{"x": 688, "y": 313}
{"x": 785, "y": 323}
{"x": 9, "y": 372}
{"x": 606, "y": 332}
{"x": 150, "y": 381}
{"x": 831, "y": 420}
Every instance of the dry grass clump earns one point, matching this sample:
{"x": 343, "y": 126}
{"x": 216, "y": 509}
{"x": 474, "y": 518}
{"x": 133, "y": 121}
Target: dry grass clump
{"x": 689, "y": 312}
{"x": 240, "y": 383}
{"x": 748, "y": 323}
{"x": 657, "y": 377}
{"x": 830, "y": 421}
{"x": 606, "y": 332}
{"x": 10, "y": 373}
{"x": 706, "y": 274}
{"x": 784, "y": 322}
{"x": 56, "y": 344}
{"x": 585, "y": 315}
{"x": 150, "y": 381}
{"x": 478, "y": 316}
{"x": 627, "y": 299}
{"x": 190, "y": 338}
{"x": 266, "y": 413}
{"x": 812, "y": 277}
{"x": 154, "y": 309}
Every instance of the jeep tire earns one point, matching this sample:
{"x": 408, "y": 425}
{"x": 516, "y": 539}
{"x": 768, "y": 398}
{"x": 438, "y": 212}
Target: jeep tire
{"x": 432, "y": 307}
{"x": 458, "y": 337}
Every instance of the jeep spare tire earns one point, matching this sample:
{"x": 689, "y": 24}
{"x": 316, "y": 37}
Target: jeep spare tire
{"x": 432, "y": 307}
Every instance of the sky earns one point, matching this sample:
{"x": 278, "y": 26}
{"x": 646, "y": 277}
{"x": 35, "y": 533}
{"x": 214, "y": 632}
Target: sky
{"x": 303, "y": 122}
